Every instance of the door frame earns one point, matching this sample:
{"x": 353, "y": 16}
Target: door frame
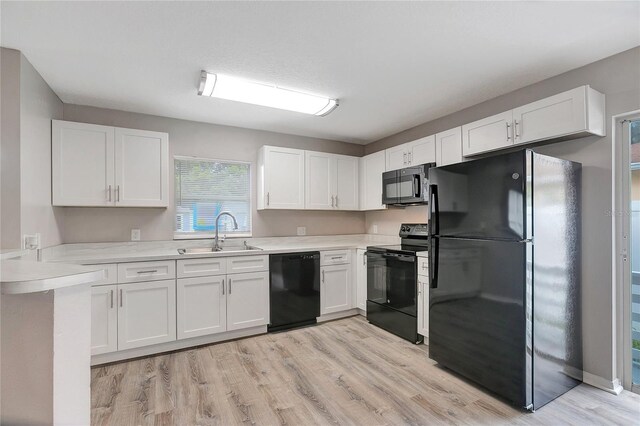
{"x": 621, "y": 224}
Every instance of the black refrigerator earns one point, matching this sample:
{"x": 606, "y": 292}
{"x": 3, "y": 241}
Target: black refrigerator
{"x": 504, "y": 298}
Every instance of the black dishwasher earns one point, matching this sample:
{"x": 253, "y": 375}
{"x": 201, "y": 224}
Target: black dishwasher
{"x": 294, "y": 289}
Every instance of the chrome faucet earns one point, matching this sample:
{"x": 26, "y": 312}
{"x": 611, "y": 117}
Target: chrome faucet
{"x": 216, "y": 246}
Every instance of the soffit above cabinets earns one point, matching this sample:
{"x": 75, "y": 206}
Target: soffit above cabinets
{"x": 393, "y": 65}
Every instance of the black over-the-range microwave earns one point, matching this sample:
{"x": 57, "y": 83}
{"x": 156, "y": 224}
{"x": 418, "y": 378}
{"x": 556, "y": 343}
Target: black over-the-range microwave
{"x": 408, "y": 186}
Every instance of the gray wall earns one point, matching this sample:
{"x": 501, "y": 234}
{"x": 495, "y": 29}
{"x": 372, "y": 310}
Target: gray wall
{"x": 28, "y": 105}
{"x": 191, "y": 138}
{"x": 618, "y": 77}
{"x": 10, "y": 149}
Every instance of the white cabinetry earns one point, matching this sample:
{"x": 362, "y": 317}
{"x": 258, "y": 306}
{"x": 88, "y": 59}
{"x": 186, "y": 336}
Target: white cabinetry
{"x": 361, "y": 280}
{"x": 423, "y": 295}
{"x": 331, "y": 181}
{"x": 141, "y": 168}
{"x": 336, "y": 291}
{"x": 371, "y": 168}
{"x": 488, "y": 134}
{"x": 449, "y": 147}
{"x": 202, "y": 306}
{"x": 280, "y": 178}
{"x": 574, "y": 113}
{"x": 247, "y": 300}
{"x": 96, "y": 165}
{"x": 413, "y": 153}
{"x": 104, "y": 319}
{"x": 146, "y": 314}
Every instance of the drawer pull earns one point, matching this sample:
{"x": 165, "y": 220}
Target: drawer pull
{"x": 336, "y": 257}
{"x": 150, "y": 271}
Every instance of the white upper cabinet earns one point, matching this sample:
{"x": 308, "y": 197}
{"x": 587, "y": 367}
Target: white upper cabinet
{"x": 571, "y": 114}
{"x": 449, "y": 147}
{"x": 331, "y": 181}
{"x": 574, "y": 111}
{"x": 96, "y": 165}
{"x": 488, "y": 134}
{"x": 422, "y": 151}
{"x": 396, "y": 157}
{"x": 372, "y": 167}
{"x": 141, "y": 168}
{"x": 413, "y": 153}
{"x": 82, "y": 164}
{"x": 280, "y": 178}
{"x": 319, "y": 181}
{"x": 346, "y": 181}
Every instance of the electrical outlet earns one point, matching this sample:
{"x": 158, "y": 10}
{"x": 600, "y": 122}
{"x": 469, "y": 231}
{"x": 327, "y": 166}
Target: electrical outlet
{"x": 302, "y": 230}
{"x": 135, "y": 235}
{"x": 375, "y": 229}
{"x": 31, "y": 241}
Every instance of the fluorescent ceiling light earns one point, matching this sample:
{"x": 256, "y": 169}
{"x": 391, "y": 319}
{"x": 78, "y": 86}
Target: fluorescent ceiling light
{"x": 235, "y": 89}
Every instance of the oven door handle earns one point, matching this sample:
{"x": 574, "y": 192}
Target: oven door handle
{"x": 400, "y": 257}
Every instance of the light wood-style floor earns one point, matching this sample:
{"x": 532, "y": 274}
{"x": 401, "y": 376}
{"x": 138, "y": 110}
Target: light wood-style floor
{"x": 343, "y": 372}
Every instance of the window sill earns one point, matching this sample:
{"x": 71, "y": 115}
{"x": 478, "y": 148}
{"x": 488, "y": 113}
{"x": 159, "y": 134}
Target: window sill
{"x": 208, "y": 236}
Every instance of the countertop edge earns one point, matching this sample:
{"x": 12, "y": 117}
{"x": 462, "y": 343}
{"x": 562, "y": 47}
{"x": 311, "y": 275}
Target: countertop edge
{"x": 54, "y": 282}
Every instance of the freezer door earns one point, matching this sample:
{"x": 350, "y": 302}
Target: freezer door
{"x": 555, "y": 284}
{"x": 477, "y": 312}
{"x": 479, "y": 199}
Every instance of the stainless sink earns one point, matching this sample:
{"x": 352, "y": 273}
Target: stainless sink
{"x": 200, "y": 250}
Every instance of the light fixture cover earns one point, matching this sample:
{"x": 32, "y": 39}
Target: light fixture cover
{"x": 235, "y": 89}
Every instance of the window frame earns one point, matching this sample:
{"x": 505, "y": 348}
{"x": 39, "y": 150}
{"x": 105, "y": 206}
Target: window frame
{"x": 199, "y": 235}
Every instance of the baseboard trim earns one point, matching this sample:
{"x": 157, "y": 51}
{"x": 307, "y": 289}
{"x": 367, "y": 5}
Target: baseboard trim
{"x": 338, "y": 315}
{"x": 175, "y": 345}
{"x": 611, "y": 386}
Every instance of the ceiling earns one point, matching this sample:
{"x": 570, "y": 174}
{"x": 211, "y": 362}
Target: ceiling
{"x": 393, "y": 65}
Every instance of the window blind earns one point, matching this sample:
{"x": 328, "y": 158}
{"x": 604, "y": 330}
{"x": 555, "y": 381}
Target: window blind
{"x": 204, "y": 188}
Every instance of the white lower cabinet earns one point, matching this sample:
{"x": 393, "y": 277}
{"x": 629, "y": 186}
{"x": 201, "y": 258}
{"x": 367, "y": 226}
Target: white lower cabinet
{"x": 202, "y": 306}
{"x": 335, "y": 288}
{"x": 247, "y": 300}
{"x": 361, "y": 279}
{"x": 146, "y": 313}
{"x": 423, "y": 296}
{"x": 104, "y": 319}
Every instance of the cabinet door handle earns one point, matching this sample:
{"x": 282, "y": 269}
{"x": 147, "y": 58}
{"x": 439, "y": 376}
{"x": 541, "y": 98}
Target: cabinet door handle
{"x": 111, "y": 299}
{"x": 332, "y": 201}
{"x": 229, "y": 285}
{"x": 223, "y": 287}
{"x": 508, "y": 134}
{"x": 117, "y": 193}
{"x": 515, "y": 126}
{"x": 336, "y": 201}
{"x": 323, "y": 276}
{"x": 121, "y": 298}
{"x": 410, "y": 155}
{"x": 109, "y": 190}
{"x": 404, "y": 158}
{"x": 267, "y": 198}
{"x": 364, "y": 258}
{"x": 336, "y": 257}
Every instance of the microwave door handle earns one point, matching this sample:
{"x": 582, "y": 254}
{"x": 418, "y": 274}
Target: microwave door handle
{"x": 416, "y": 186}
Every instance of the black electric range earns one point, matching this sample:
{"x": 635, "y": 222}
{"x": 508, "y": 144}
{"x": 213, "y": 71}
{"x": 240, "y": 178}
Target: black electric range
{"x": 392, "y": 282}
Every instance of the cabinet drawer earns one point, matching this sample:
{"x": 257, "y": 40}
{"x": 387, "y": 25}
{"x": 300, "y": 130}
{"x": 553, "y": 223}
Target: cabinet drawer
{"x": 247, "y": 264}
{"x": 146, "y": 271}
{"x": 202, "y": 267}
{"x": 335, "y": 257}
{"x": 423, "y": 266}
{"x": 110, "y": 274}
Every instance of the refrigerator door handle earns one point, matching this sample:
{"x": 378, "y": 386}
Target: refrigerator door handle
{"x": 433, "y": 257}
{"x": 434, "y": 211}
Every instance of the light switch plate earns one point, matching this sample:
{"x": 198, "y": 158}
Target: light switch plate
{"x": 135, "y": 235}
{"x": 302, "y": 230}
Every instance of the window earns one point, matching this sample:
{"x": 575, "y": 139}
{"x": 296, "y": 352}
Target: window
{"x": 203, "y": 189}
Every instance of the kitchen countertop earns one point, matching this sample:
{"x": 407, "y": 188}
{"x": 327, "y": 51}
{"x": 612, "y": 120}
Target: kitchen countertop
{"x": 27, "y": 276}
{"x": 96, "y": 253}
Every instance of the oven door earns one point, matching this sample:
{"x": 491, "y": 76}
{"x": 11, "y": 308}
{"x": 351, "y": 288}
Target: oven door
{"x": 391, "y": 281}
